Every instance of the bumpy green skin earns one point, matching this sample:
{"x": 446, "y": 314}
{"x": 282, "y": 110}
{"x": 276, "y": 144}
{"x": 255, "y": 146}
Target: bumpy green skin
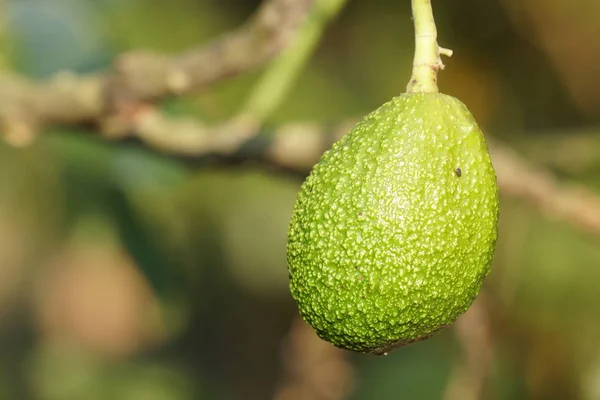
{"x": 389, "y": 241}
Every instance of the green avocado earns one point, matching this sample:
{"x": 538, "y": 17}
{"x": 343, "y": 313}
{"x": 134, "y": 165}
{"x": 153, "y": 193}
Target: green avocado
{"x": 394, "y": 229}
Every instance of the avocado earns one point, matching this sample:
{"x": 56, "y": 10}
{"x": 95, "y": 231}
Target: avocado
{"x": 394, "y": 229}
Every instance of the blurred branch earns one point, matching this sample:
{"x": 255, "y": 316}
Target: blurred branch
{"x": 518, "y": 178}
{"x": 139, "y": 78}
{"x": 473, "y": 332}
{"x": 572, "y": 151}
{"x": 313, "y": 368}
{"x": 298, "y": 147}
{"x": 143, "y": 76}
{"x": 293, "y": 146}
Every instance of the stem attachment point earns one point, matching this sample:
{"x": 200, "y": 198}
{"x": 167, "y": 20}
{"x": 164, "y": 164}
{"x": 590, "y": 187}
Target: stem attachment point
{"x": 428, "y": 53}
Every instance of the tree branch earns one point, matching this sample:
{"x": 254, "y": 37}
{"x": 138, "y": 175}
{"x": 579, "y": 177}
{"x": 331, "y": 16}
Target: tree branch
{"x": 141, "y": 77}
{"x": 518, "y": 178}
{"x": 473, "y": 333}
{"x": 109, "y": 99}
{"x": 296, "y": 147}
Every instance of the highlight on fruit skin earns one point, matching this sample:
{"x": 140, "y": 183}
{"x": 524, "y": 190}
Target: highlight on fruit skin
{"x": 394, "y": 230}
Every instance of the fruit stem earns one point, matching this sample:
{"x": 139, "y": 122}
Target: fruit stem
{"x": 427, "y": 59}
{"x": 282, "y": 73}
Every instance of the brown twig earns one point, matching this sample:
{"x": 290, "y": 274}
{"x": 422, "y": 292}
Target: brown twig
{"x": 572, "y": 151}
{"x": 518, "y": 178}
{"x": 292, "y": 146}
{"x": 141, "y": 77}
{"x": 473, "y": 332}
{"x": 109, "y": 99}
{"x": 313, "y": 368}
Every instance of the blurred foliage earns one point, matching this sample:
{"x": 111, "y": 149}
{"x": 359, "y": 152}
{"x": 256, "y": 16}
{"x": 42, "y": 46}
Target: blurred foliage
{"x": 126, "y": 275}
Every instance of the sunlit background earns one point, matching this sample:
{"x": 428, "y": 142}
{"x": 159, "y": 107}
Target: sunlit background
{"x": 125, "y": 274}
